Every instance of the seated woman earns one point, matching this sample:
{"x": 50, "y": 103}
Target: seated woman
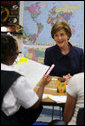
{"x": 67, "y": 58}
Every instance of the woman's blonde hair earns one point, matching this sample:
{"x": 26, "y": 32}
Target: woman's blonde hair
{"x": 61, "y": 25}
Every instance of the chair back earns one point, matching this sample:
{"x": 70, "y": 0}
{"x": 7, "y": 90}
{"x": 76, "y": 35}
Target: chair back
{"x": 80, "y": 117}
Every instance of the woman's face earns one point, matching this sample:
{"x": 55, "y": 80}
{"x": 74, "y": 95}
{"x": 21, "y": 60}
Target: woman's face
{"x": 61, "y": 38}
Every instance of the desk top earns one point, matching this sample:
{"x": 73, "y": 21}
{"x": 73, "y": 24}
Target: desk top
{"x": 52, "y": 84}
{"x": 50, "y": 88}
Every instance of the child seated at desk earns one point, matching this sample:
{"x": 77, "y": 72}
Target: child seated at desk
{"x": 19, "y": 103}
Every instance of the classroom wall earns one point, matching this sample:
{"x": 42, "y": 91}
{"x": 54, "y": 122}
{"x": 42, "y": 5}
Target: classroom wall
{"x": 38, "y": 18}
{"x": 11, "y": 16}
{"x": 19, "y": 37}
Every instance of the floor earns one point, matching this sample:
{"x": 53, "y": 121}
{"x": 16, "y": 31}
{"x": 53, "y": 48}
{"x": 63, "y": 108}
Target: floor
{"x": 46, "y": 115}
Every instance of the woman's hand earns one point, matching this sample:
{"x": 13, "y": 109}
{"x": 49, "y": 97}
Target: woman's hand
{"x": 67, "y": 77}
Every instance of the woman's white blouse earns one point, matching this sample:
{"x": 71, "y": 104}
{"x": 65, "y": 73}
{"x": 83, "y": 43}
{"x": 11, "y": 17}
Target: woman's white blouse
{"x": 19, "y": 94}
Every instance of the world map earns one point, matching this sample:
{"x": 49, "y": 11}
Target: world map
{"x": 35, "y": 53}
{"x": 39, "y": 17}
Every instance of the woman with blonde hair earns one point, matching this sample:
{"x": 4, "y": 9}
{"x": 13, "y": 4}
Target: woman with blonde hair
{"x": 68, "y": 59}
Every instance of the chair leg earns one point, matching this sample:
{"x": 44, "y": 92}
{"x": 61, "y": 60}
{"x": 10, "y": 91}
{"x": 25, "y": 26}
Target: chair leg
{"x": 52, "y": 112}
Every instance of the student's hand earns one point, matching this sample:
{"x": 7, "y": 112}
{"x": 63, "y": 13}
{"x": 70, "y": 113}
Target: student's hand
{"x": 67, "y": 77}
{"x": 45, "y": 80}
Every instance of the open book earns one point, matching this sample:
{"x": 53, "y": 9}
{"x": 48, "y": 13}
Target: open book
{"x": 32, "y": 70}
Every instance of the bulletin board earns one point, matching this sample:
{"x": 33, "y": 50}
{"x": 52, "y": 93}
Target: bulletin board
{"x": 9, "y": 13}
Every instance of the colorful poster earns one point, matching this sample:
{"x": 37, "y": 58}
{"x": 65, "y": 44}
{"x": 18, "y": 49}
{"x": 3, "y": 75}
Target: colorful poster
{"x": 35, "y": 53}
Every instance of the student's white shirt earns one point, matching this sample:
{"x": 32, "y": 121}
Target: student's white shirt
{"x": 19, "y": 94}
{"x": 75, "y": 88}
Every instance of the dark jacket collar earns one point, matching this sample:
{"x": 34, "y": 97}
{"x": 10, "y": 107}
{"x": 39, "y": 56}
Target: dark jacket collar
{"x": 60, "y": 55}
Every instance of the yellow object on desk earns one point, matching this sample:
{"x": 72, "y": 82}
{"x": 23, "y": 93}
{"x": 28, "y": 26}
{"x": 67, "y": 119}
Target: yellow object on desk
{"x": 57, "y": 83}
{"x": 61, "y": 85}
{"x": 50, "y": 92}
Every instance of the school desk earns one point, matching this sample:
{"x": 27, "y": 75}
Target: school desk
{"x": 51, "y": 89}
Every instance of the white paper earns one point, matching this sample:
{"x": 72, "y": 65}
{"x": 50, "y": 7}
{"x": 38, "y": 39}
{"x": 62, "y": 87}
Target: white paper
{"x": 45, "y": 96}
{"x": 32, "y": 70}
{"x": 58, "y": 99}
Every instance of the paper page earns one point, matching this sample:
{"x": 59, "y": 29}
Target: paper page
{"x": 44, "y": 96}
{"x": 58, "y": 99}
{"x": 32, "y": 70}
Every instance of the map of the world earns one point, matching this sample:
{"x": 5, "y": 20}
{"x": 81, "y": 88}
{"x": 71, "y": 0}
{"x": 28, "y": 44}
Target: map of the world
{"x": 39, "y": 17}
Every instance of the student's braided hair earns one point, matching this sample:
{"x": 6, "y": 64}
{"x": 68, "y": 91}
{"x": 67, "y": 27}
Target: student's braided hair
{"x": 8, "y": 47}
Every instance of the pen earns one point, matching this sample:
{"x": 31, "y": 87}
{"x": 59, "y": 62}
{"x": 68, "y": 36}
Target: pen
{"x": 48, "y": 72}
